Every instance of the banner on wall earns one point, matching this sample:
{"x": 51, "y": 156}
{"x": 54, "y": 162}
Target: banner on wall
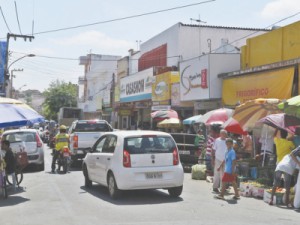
{"x": 271, "y": 84}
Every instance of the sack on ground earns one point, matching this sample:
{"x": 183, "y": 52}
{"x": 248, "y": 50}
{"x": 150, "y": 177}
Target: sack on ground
{"x": 199, "y": 172}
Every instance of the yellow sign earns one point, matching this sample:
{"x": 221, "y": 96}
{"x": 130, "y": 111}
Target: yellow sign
{"x": 161, "y": 87}
{"x": 271, "y": 84}
{"x": 124, "y": 112}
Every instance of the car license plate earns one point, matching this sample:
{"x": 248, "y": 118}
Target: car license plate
{"x": 184, "y": 152}
{"x": 155, "y": 175}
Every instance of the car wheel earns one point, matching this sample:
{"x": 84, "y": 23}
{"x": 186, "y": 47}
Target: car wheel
{"x": 114, "y": 192}
{"x": 175, "y": 191}
{"x": 87, "y": 181}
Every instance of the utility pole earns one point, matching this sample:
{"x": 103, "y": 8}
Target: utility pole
{"x": 15, "y": 36}
{"x": 11, "y": 80}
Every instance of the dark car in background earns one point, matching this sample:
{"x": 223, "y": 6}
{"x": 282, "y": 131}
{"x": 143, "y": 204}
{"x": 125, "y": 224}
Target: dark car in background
{"x": 188, "y": 152}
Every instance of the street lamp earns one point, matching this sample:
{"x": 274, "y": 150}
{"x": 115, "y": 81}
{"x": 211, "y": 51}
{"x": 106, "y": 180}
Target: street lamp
{"x": 28, "y": 55}
{"x": 7, "y": 69}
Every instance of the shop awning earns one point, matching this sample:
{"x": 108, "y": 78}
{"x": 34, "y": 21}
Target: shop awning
{"x": 270, "y": 84}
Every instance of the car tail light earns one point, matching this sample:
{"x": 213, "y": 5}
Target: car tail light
{"x": 126, "y": 159}
{"x": 38, "y": 141}
{"x": 175, "y": 157}
{"x": 75, "y": 141}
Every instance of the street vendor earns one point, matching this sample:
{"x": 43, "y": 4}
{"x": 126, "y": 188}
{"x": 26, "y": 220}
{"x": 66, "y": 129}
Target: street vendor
{"x": 283, "y": 146}
{"x": 286, "y": 167}
{"x": 199, "y": 142}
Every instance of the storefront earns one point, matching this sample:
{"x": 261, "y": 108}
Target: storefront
{"x": 280, "y": 82}
{"x": 137, "y": 90}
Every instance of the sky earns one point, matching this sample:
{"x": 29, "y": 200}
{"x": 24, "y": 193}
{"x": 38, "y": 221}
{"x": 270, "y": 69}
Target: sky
{"x": 57, "y": 53}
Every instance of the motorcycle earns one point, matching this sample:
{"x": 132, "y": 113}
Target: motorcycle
{"x": 64, "y": 159}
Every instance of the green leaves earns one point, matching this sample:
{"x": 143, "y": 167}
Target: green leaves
{"x": 59, "y": 94}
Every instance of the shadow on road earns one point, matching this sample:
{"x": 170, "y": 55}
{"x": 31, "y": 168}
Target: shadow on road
{"x": 136, "y": 197}
{"x": 12, "y": 200}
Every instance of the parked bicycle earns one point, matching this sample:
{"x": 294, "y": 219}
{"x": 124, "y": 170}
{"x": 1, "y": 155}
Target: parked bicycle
{"x": 21, "y": 163}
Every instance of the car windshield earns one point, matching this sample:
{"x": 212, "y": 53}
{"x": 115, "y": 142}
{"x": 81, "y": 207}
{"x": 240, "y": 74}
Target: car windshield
{"x": 149, "y": 144}
{"x": 90, "y": 127}
{"x": 20, "y": 137}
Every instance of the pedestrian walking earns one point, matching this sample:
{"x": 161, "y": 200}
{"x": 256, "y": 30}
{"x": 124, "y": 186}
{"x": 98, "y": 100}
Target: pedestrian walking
{"x": 229, "y": 175}
{"x": 218, "y": 156}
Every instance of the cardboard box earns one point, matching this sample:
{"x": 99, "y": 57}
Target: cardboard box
{"x": 277, "y": 199}
{"x": 257, "y": 192}
{"x": 245, "y": 189}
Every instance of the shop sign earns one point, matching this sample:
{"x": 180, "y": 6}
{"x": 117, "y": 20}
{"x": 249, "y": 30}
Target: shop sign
{"x": 194, "y": 79}
{"x": 160, "y": 107}
{"x": 161, "y": 87}
{"x": 175, "y": 96}
{"x": 136, "y": 87}
{"x": 141, "y": 105}
{"x": 124, "y": 112}
{"x": 271, "y": 84}
{"x": 207, "y": 105}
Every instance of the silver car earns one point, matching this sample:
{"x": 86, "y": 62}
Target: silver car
{"x": 29, "y": 141}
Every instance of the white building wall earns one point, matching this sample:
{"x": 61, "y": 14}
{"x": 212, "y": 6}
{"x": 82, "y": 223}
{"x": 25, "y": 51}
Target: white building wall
{"x": 99, "y": 76}
{"x": 183, "y": 40}
{"x": 134, "y": 63}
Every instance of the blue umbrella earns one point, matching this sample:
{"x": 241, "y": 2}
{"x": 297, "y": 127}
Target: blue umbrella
{"x": 191, "y": 120}
{"x": 17, "y": 115}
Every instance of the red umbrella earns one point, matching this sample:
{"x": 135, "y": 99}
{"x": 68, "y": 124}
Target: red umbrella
{"x": 234, "y": 127}
{"x": 216, "y": 116}
{"x": 164, "y": 114}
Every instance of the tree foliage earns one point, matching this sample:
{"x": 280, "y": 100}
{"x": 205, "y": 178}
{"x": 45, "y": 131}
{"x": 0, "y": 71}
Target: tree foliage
{"x": 59, "y": 94}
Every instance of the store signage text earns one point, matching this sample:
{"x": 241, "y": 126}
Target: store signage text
{"x": 135, "y": 87}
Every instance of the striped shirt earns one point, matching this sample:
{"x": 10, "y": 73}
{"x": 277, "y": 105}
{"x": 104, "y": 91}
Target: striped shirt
{"x": 209, "y": 145}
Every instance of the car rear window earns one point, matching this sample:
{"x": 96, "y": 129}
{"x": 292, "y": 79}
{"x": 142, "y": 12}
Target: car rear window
{"x": 20, "y": 137}
{"x": 90, "y": 127}
{"x": 149, "y": 144}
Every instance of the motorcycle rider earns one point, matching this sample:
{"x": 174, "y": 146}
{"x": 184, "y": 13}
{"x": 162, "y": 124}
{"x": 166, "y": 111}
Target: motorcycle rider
{"x": 61, "y": 140}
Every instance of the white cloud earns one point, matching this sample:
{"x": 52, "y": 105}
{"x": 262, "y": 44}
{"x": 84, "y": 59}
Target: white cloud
{"x": 280, "y": 8}
{"x": 96, "y": 41}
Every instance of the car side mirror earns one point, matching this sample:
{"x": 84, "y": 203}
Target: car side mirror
{"x": 89, "y": 149}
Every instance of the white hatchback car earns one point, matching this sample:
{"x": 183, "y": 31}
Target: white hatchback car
{"x": 29, "y": 141}
{"x": 130, "y": 160}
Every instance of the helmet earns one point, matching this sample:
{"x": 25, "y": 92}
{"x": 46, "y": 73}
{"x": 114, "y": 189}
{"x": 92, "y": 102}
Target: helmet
{"x": 62, "y": 127}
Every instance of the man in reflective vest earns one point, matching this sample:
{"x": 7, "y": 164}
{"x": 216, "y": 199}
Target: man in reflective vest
{"x": 61, "y": 140}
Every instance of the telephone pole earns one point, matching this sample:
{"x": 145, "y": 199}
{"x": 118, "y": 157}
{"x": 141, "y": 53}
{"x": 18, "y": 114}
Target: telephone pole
{"x": 11, "y": 80}
{"x": 15, "y": 36}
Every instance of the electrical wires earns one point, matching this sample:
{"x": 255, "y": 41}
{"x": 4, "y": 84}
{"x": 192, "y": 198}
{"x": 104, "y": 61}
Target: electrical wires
{"x": 5, "y": 20}
{"x": 18, "y": 17}
{"x": 122, "y": 18}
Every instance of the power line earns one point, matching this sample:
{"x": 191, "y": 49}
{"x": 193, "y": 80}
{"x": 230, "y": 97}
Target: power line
{"x": 5, "y": 20}
{"x": 18, "y": 17}
{"x": 122, "y": 18}
{"x": 248, "y": 35}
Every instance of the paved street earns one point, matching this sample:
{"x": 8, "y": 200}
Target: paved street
{"x": 62, "y": 199}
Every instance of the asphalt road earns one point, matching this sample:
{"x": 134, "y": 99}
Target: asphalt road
{"x": 47, "y": 198}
